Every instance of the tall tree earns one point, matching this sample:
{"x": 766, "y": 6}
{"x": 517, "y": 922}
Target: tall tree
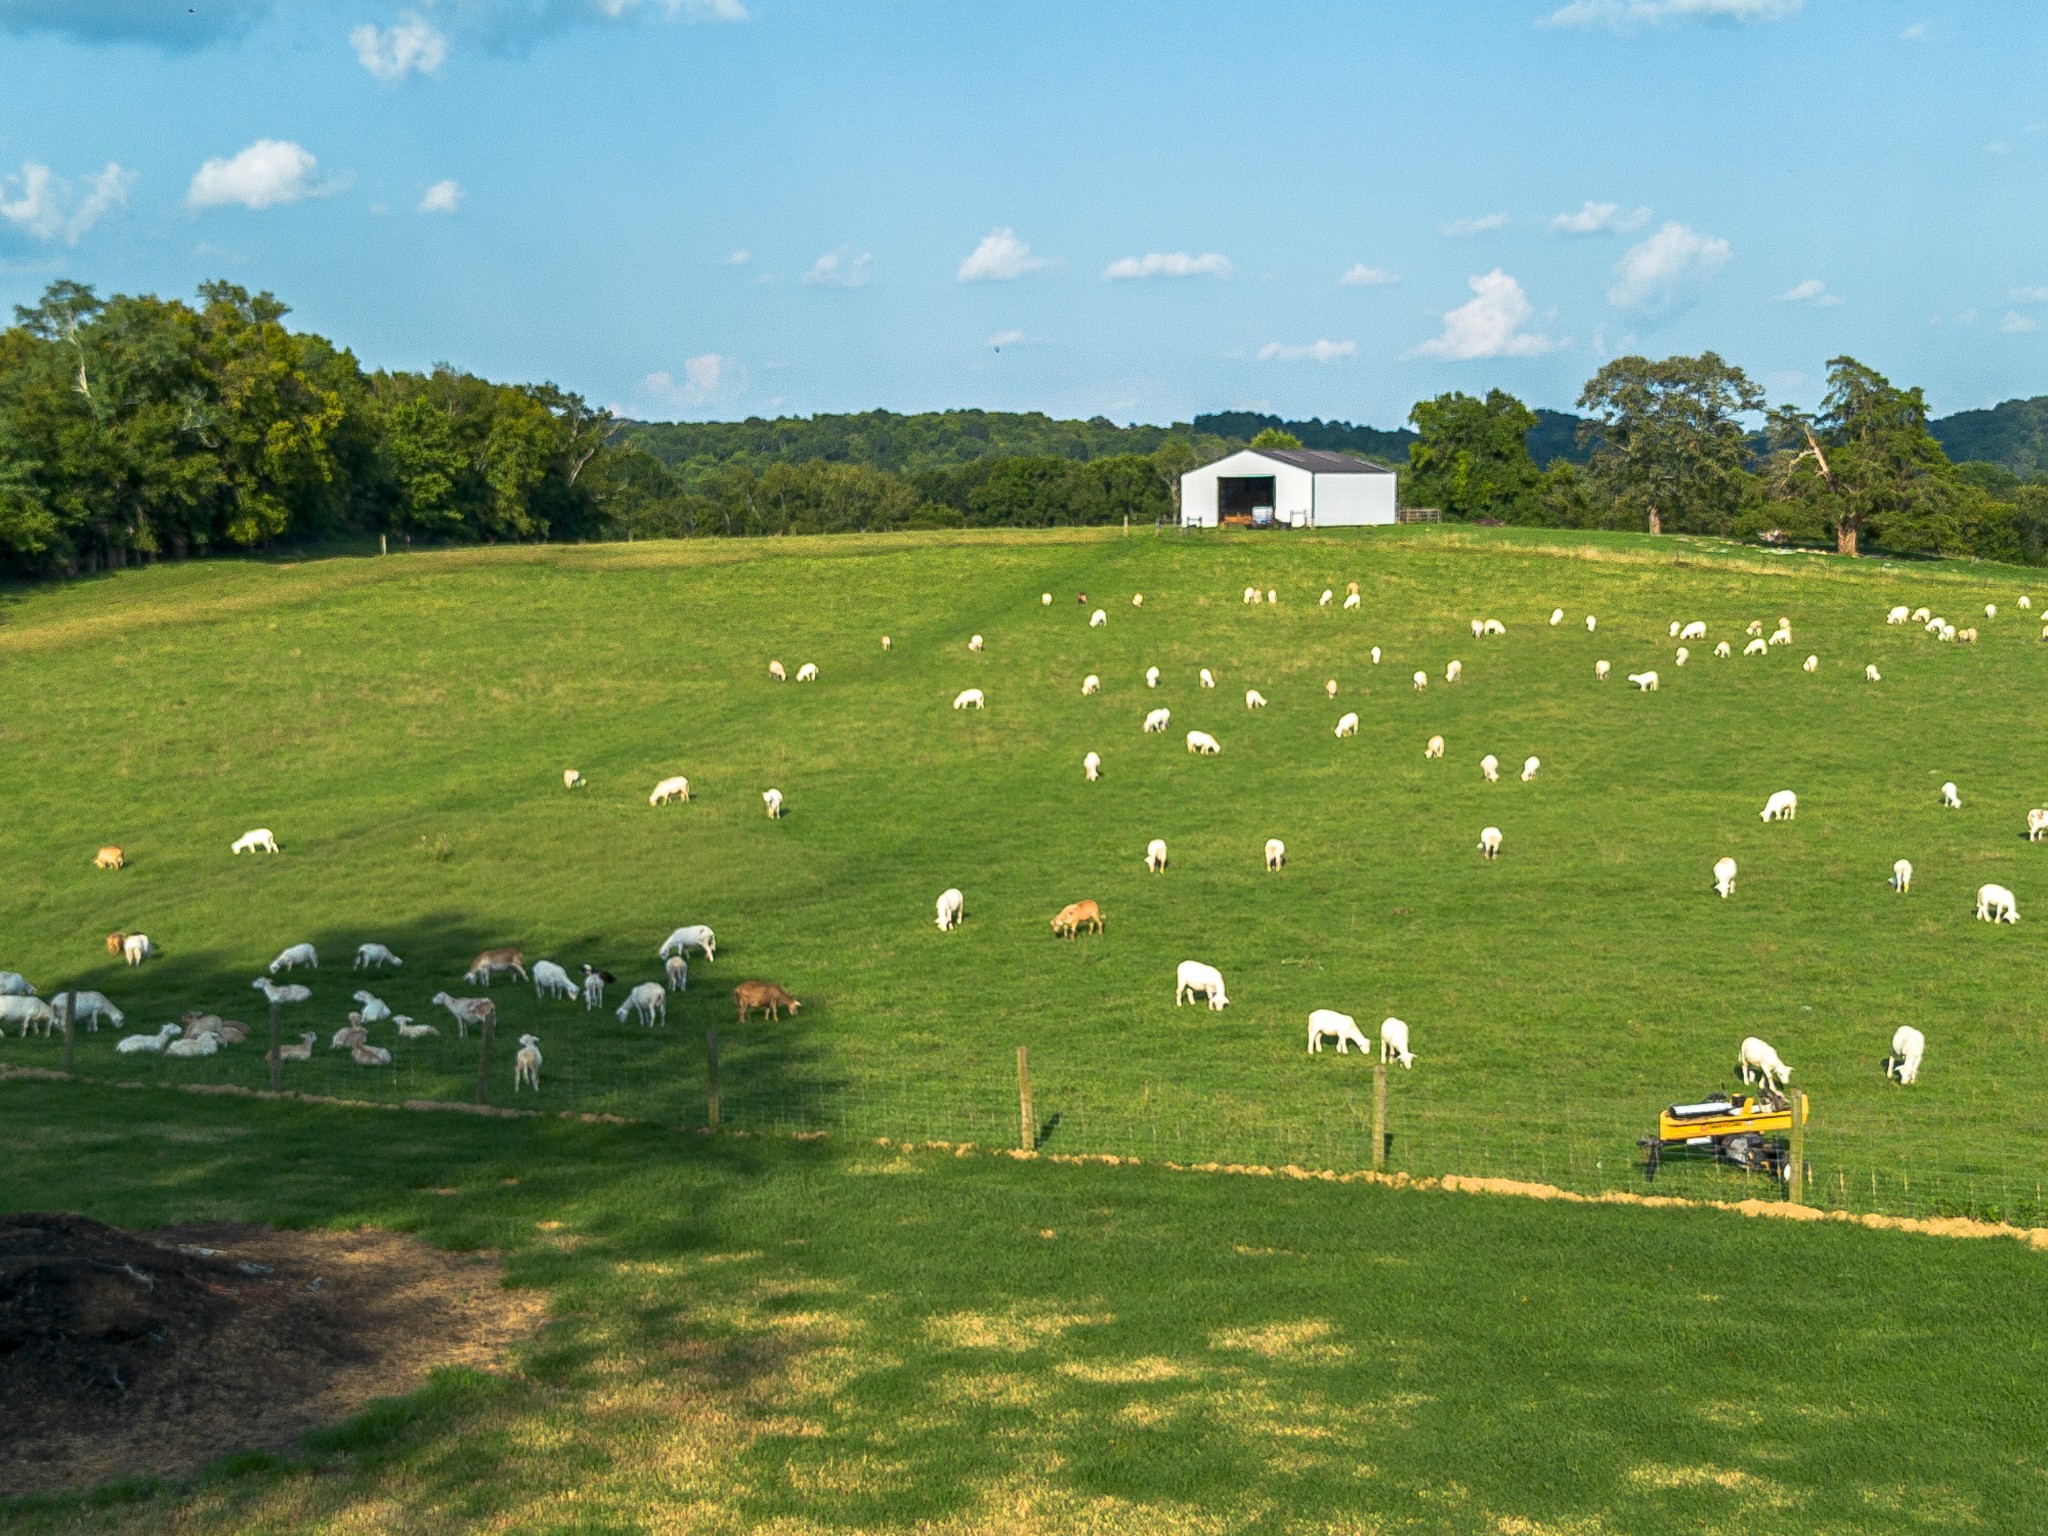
{"x": 1668, "y": 447}
{"x": 1471, "y": 458}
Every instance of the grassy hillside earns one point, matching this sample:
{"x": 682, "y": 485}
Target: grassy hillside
{"x": 753, "y": 1336}
{"x": 402, "y": 725}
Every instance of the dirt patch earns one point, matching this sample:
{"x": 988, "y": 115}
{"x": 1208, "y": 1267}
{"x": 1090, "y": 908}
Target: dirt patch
{"x": 125, "y": 1353}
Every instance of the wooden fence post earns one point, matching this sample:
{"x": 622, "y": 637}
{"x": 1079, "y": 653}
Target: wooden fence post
{"x": 1379, "y": 1117}
{"x": 711, "y": 1105}
{"x": 1795, "y": 1187}
{"x": 1027, "y": 1123}
{"x": 70, "y": 1032}
{"x": 276, "y": 1046}
{"x": 483, "y": 1060}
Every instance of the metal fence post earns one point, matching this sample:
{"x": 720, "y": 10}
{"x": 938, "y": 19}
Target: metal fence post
{"x": 276, "y": 1046}
{"x": 70, "y": 1029}
{"x": 711, "y": 1095}
{"x": 1379, "y": 1117}
{"x": 1027, "y": 1124}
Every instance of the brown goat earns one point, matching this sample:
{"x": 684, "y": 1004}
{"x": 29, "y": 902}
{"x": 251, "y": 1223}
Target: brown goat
{"x": 109, "y": 857}
{"x": 493, "y": 962}
{"x": 115, "y": 941}
{"x": 766, "y": 996}
{"x": 1075, "y": 916}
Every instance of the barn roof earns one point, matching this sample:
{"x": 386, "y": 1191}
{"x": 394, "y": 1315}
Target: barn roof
{"x": 1321, "y": 461}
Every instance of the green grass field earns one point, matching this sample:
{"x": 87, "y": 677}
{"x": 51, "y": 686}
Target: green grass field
{"x": 758, "y": 1335}
{"x": 402, "y": 725}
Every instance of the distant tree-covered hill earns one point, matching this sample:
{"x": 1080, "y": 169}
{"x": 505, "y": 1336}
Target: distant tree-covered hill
{"x": 1336, "y": 436}
{"x": 2012, "y": 435}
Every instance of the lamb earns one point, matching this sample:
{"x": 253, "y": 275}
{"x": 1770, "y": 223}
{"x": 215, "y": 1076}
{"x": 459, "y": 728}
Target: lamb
{"x": 258, "y": 841}
{"x": 1155, "y": 856}
{"x": 1870, "y": 674}
{"x": 1478, "y": 628}
{"x": 1996, "y": 904}
{"x": 350, "y": 1035}
{"x": 673, "y": 788}
{"x": 290, "y": 959}
{"x": 467, "y": 1011}
{"x": 1754, "y": 648}
{"x": 1253, "y": 699}
{"x": 28, "y": 1013}
{"x": 1375, "y": 655}
{"x": 594, "y": 983}
{"x": 571, "y": 779}
{"x": 1811, "y": 664}
{"x": 1433, "y": 748}
{"x": 88, "y": 1008}
{"x": 303, "y": 1051}
{"x": 1529, "y": 767}
{"x": 1158, "y": 720}
{"x": 1948, "y": 634}
{"x": 1151, "y": 677}
{"x": 376, "y": 1010}
{"x": 1092, "y": 766}
{"x": 1325, "y": 600}
{"x": 775, "y": 671}
{"x": 689, "y": 937}
{"x": 1203, "y": 744}
{"x": 549, "y": 980}
{"x": 14, "y": 984}
{"x": 109, "y": 857}
{"x": 1908, "y": 1047}
{"x": 1489, "y": 768}
{"x": 1754, "y": 627}
{"x": 1045, "y": 599}
{"x": 676, "y": 970}
{"x": 1208, "y": 678}
{"x": 1921, "y": 615}
{"x": 1276, "y": 855}
{"x": 202, "y": 1045}
{"x": 290, "y": 992}
{"x": 134, "y": 1045}
{"x": 1489, "y": 842}
{"x": 1421, "y": 681}
{"x": 1782, "y": 806}
{"x": 1556, "y": 617}
{"x": 1251, "y": 595}
{"x": 1897, "y": 615}
{"x": 1272, "y": 596}
{"x": 526, "y": 1064}
{"x": 367, "y": 1055}
{"x": 1350, "y": 602}
{"x": 138, "y": 947}
{"x": 772, "y": 798}
{"x": 1592, "y": 624}
{"x": 1684, "y": 655}
{"x": 1137, "y": 599}
{"x": 808, "y": 672}
{"x": 649, "y": 1002}
{"x": 1600, "y": 671}
{"x": 368, "y": 955}
{"x": 1193, "y": 977}
{"x": 2037, "y": 825}
{"x": 1696, "y": 630}
{"x": 951, "y": 906}
{"x": 495, "y": 962}
{"x": 1966, "y": 636}
{"x": 2025, "y": 601}
{"x": 1674, "y": 629}
{"x": 1902, "y": 875}
{"x": 1949, "y": 799}
{"x": 1454, "y": 671}
{"x": 1394, "y": 1042}
{"x": 1330, "y": 688}
{"x": 1075, "y": 916}
{"x": 1328, "y": 1024}
{"x": 1724, "y": 878}
{"x": 1348, "y": 725}
{"x": 1495, "y": 627}
{"x": 974, "y": 644}
{"x": 1647, "y": 681}
{"x": 1757, "y": 1060}
{"x": 407, "y": 1030}
{"x": 764, "y": 995}
{"x": 1097, "y": 619}
{"x": 1991, "y": 610}
{"x": 1090, "y": 684}
{"x": 1723, "y": 651}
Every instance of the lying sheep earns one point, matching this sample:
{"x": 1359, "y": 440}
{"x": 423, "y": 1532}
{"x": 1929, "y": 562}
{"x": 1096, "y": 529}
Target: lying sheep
{"x": 407, "y": 1030}
{"x": 350, "y": 1035}
{"x": 968, "y": 698}
{"x": 1489, "y": 768}
{"x": 649, "y": 1002}
{"x": 1253, "y": 699}
{"x": 303, "y": 1051}
{"x": 1782, "y": 806}
{"x": 135, "y": 1045}
{"x": 1276, "y": 854}
{"x": 1489, "y": 843}
{"x": 1433, "y": 748}
{"x": 526, "y": 1064}
{"x": 1092, "y": 766}
{"x": 1394, "y": 1043}
{"x": 1192, "y": 978}
{"x": 1902, "y": 875}
{"x": 1724, "y": 878}
{"x": 1996, "y": 904}
{"x": 1908, "y": 1047}
{"x": 1202, "y": 744}
{"x": 674, "y": 788}
{"x": 772, "y": 799}
{"x": 376, "y": 1010}
{"x": 290, "y": 992}
{"x": 951, "y": 906}
{"x": 549, "y": 980}
{"x": 1158, "y": 720}
{"x": 258, "y": 841}
{"x": 1155, "y": 856}
{"x": 1757, "y": 1060}
{"x": 1647, "y": 681}
{"x": 296, "y": 955}
{"x": 1328, "y": 1024}
{"x": 368, "y": 955}
{"x": 200, "y": 1045}
{"x": 1348, "y": 725}
{"x": 367, "y": 1055}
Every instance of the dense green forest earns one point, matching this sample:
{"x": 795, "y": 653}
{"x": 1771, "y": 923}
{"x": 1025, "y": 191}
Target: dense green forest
{"x": 136, "y": 428}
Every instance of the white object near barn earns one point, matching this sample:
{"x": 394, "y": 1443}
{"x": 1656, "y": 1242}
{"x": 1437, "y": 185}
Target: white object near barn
{"x": 1287, "y": 488}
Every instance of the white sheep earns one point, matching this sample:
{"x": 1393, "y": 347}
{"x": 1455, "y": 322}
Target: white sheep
{"x": 951, "y": 907}
{"x": 1155, "y": 856}
{"x": 1347, "y": 725}
{"x": 1421, "y": 681}
{"x": 647, "y": 1000}
{"x": 1489, "y": 768}
{"x": 1276, "y": 855}
{"x": 1092, "y": 766}
{"x": 1897, "y": 615}
{"x": 968, "y": 698}
{"x": 775, "y": 671}
{"x": 407, "y": 1030}
{"x": 1327, "y": 597}
{"x": 1754, "y": 627}
{"x": 138, "y": 947}
{"x": 526, "y": 1065}
{"x": 1950, "y": 800}
{"x": 1330, "y": 689}
{"x": 1394, "y": 1042}
{"x": 1151, "y": 677}
{"x": 1966, "y": 636}
{"x": 1489, "y": 843}
{"x": 1696, "y": 630}
{"x": 136, "y": 1044}
{"x": 772, "y": 798}
{"x": 1991, "y": 610}
{"x": 675, "y": 971}
{"x": 1674, "y": 629}
{"x": 1203, "y": 744}
{"x": 88, "y": 1008}
{"x": 1192, "y": 978}
{"x": 1996, "y": 904}
{"x": 1045, "y": 598}
{"x": 1647, "y": 681}
{"x": 2025, "y": 601}
{"x": 2037, "y": 825}
{"x": 1097, "y": 619}
{"x": 1921, "y": 615}
{"x": 1434, "y": 747}
{"x": 1592, "y": 624}
{"x": 257, "y": 841}
{"x": 1782, "y": 806}
{"x": 1158, "y": 720}
{"x": 688, "y": 937}
{"x": 1272, "y": 596}
{"x": 1495, "y": 627}
{"x": 1908, "y": 1047}
{"x": 1251, "y": 594}
{"x": 1556, "y": 617}
{"x": 1870, "y": 674}
{"x": 1530, "y": 765}
{"x": 675, "y": 788}
{"x": 974, "y": 644}
{"x": 551, "y": 980}
{"x": 290, "y": 992}
{"x": 1724, "y": 878}
{"x": 350, "y": 1035}
{"x": 1935, "y": 625}
{"x": 1948, "y": 634}
{"x": 1090, "y": 684}
{"x": 1328, "y": 1024}
{"x": 1724, "y": 650}
{"x": 198, "y": 1045}
{"x": 1478, "y": 628}
{"x": 1137, "y": 599}
{"x": 467, "y": 1011}
{"x": 808, "y": 672}
{"x": 1253, "y": 699}
{"x": 376, "y": 1010}
{"x": 28, "y": 1013}
{"x": 593, "y": 987}
{"x": 1902, "y": 875}
{"x": 367, "y": 1055}
{"x": 1600, "y": 671}
{"x": 1684, "y": 655}
{"x": 1754, "y": 648}
{"x": 294, "y": 956}
{"x": 1757, "y": 1060}
{"x": 1350, "y": 602}
{"x": 1208, "y": 679}
{"x": 886, "y": 642}
{"x": 1811, "y": 664}
{"x": 14, "y": 984}
{"x": 368, "y": 955}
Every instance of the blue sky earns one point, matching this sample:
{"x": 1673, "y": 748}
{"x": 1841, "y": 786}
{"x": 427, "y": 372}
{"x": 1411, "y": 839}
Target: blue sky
{"x": 709, "y": 208}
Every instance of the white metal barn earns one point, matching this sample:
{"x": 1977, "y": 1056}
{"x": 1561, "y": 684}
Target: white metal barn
{"x": 1287, "y": 488}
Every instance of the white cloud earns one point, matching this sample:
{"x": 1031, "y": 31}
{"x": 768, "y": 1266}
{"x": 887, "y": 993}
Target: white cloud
{"x": 691, "y": 10}
{"x": 1362, "y": 276}
{"x": 268, "y": 172}
{"x": 833, "y": 270}
{"x": 1600, "y": 218}
{"x": 739, "y": 258}
{"x": 1812, "y": 291}
{"x": 1169, "y": 264}
{"x": 1000, "y": 258}
{"x": 1458, "y": 228}
{"x": 1324, "y": 351}
{"x": 2030, "y": 295}
{"x": 1627, "y": 15}
{"x": 1649, "y": 273}
{"x": 704, "y": 376}
{"x": 1916, "y": 33}
{"x": 410, "y": 45}
{"x": 1003, "y": 339}
{"x": 1489, "y": 324}
{"x": 442, "y": 197}
{"x": 47, "y": 207}
{"x": 2015, "y": 321}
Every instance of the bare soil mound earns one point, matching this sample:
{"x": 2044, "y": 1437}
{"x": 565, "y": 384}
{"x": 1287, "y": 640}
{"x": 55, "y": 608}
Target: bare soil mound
{"x": 127, "y": 1353}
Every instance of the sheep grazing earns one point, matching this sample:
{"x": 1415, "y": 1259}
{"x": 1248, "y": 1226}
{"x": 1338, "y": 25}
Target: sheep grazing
{"x": 14, "y": 984}
{"x": 1489, "y": 843}
{"x": 1421, "y": 681}
{"x": 1530, "y": 765}
{"x": 2037, "y": 825}
{"x": 1489, "y": 768}
{"x": 1811, "y": 664}
{"x": 1202, "y": 744}
{"x": 807, "y": 673}
{"x": 1330, "y": 688}
{"x": 1696, "y": 630}
{"x": 1394, "y": 1042}
{"x": 885, "y": 642}
{"x": 1870, "y": 674}
{"x": 1556, "y": 617}
{"x": 1756, "y": 1060}
{"x": 1454, "y": 671}
{"x": 1092, "y": 766}
{"x": 1754, "y": 627}
{"x": 1495, "y": 627}
{"x": 1272, "y": 596}
{"x": 1948, "y": 634}
{"x": 526, "y": 1064}
{"x": 1724, "y": 650}
{"x": 1208, "y": 678}
{"x": 290, "y": 992}
{"x": 1991, "y": 610}
{"x": 974, "y": 644}
{"x": 1908, "y": 1047}
{"x": 111, "y": 857}
{"x": 1137, "y": 599}
{"x": 551, "y": 980}
{"x": 675, "y": 972}
{"x": 27, "y": 1013}
{"x": 951, "y": 907}
{"x": 467, "y": 1011}
{"x": 1192, "y": 979}
{"x": 1592, "y": 624}
{"x": 1600, "y": 671}
{"x": 1375, "y": 655}
{"x": 88, "y": 1008}
{"x": 775, "y": 671}
{"x": 968, "y": 698}
{"x": 1090, "y": 684}
{"x": 1647, "y": 681}
{"x": 1434, "y": 747}
{"x": 2026, "y": 602}
{"x": 1897, "y": 615}
{"x": 134, "y": 1045}
{"x": 1996, "y": 904}
{"x": 1045, "y": 599}
{"x": 1075, "y": 916}
{"x": 367, "y": 1055}
{"x": 1328, "y": 1024}
{"x": 764, "y": 995}
{"x": 258, "y": 841}
{"x": 594, "y": 983}
{"x": 376, "y": 1010}
{"x": 676, "y": 788}
{"x": 1253, "y": 699}
{"x": 1967, "y": 636}
{"x": 368, "y": 955}
{"x": 407, "y": 1030}
{"x": 1782, "y": 806}
{"x": 1949, "y": 798}
{"x": 647, "y": 1001}
{"x": 1251, "y": 595}
{"x": 690, "y": 936}
{"x": 1158, "y": 720}
{"x": 1097, "y": 619}
{"x": 1348, "y": 725}
{"x": 495, "y": 962}
{"x": 772, "y": 798}
{"x": 1155, "y": 856}
{"x": 1478, "y": 628}
{"x": 1684, "y": 655}
{"x": 199, "y": 1045}
{"x": 1350, "y": 602}
{"x": 1724, "y": 878}
{"x": 571, "y": 779}
{"x": 1902, "y": 875}
{"x": 1151, "y": 677}
{"x": 1326, "y": 599}
{"x": 1351, "y": 589}
{"x": 1754, "y": 648}
{"x": 1674, "y": 629}
{"x": 294, "y": 956}
{"x": 1276, "y": 855}
{"x": 138, "y": 947}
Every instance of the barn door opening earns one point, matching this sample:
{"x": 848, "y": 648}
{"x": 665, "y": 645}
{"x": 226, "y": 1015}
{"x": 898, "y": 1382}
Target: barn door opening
{"x": 1245, "y": 500}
